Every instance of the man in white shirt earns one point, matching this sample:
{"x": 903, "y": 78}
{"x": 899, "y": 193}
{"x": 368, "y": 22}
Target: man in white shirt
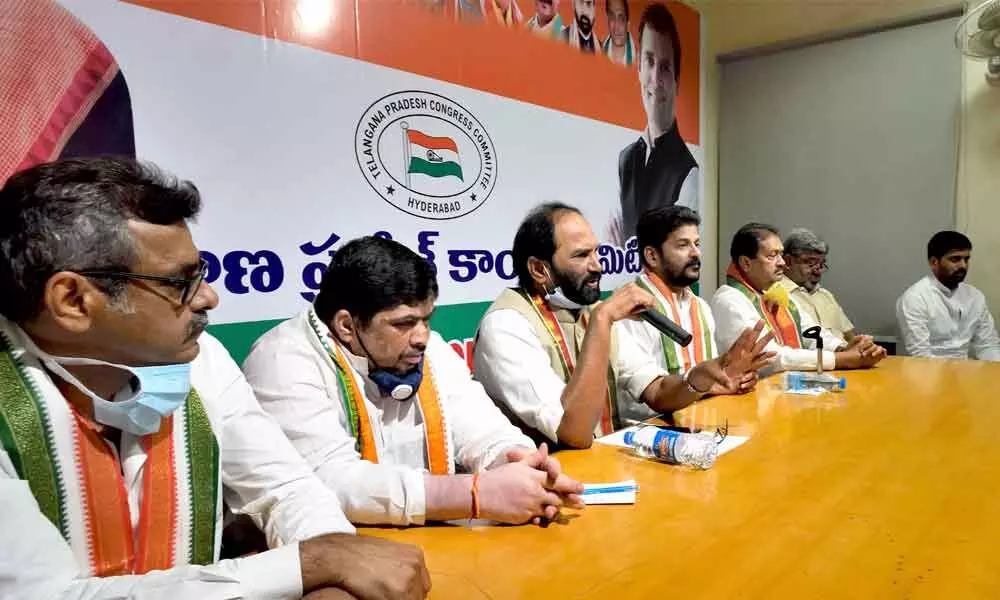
{"x": 123, "y": 426}
{"x": 553, "y": 359}
{"x": 943, "y": 316}
{"x": 751, "y": 293}
{"x": 670, "y": 250}
{"x": 805, "y": 262}
{"x": 580, "y": 32}
{"x": 384, "y": 410}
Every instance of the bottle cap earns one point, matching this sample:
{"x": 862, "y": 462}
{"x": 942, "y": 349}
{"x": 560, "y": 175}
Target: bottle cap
{"x": 843, "y": 383}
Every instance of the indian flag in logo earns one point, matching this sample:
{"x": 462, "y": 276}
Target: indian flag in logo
{"x": 429, "y": 155}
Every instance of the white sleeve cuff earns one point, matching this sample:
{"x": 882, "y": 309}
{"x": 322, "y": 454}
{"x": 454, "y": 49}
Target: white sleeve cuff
{"x": 829, "y": 360}
{"x": 272, "y": 575}
{"x": 416, "y": 497}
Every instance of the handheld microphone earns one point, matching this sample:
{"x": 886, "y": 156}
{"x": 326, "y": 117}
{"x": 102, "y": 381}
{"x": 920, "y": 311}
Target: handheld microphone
{"x": 666, "y": 327}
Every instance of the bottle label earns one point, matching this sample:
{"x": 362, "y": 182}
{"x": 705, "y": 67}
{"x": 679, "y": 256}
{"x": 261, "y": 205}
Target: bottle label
{"x": 664, "y": 445}
{"x": 662, "y": 442}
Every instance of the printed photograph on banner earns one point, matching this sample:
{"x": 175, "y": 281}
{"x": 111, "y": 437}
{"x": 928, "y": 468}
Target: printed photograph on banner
{"x": 504, "y": 12}
{"x": 657, "y": 169}
{"x": 619, "y": 46}
{"x": 63, "y": 100}
{"x": 580, "y": 33}
{"x": 547, "y": 22}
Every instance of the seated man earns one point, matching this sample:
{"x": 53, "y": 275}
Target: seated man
{"x": 943, "y": 316}
{"x": 384, "y": 410}
{"x": 553, "y": 360}
{"x": 670, "y": 247}
{"x": 805, "y": 262}
{"x": 750, "y": 294}
{"x": 123, "y": 425}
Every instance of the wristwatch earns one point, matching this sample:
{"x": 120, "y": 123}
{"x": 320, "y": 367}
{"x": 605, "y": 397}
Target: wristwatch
{"x": 690, "y": 387}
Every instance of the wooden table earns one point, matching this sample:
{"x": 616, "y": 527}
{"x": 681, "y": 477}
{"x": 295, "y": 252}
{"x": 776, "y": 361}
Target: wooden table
{"x": 889, "y": 490}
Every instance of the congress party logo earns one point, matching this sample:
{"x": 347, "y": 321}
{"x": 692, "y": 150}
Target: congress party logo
{"x": 426, "y": 155}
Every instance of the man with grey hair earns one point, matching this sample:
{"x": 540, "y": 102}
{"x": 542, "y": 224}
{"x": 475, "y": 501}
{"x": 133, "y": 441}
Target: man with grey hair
{"x": 124, "y": 426}
{"x": 805, "y": 263}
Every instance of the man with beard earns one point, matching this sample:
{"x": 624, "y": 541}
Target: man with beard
{"x": 751, "y": 293}
{"x": 384, "y": 410}
{"x": 657, "y": 169}
{"x": 580, "y": 33}
{"x": 941, "y": 315}
{"x": 123, "y": 425}
{"x": 552, "y": 357}
{"x": 547, "y": 22}
{"x": 619, "y": 46}
{"x": 805, "y": 262}
{"x": 670, "y": 247}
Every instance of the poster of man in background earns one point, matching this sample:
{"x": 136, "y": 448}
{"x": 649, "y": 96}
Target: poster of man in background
{"x": 63, "y": 93}
{"x": 547, "y": 21}
{"x": 618, "y": 46}
{"x": 657, "y": 169}
{"x": 505, "y": 12}
{"x": 580, "y": 33}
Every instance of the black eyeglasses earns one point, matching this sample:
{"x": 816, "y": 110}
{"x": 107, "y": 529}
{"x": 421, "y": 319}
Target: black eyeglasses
{"x": 187, "y": 286}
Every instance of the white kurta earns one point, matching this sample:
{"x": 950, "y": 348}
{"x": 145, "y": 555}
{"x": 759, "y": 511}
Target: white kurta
{"x": 261, "y": 475}
{"x": 295, "y": 380}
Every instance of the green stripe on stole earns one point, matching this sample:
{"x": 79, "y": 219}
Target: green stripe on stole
{"x": 203, "y": 483}
{"x": 26, "y": 435}
{"x": 668, "y": 345}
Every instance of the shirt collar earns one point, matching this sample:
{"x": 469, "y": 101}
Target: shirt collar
{"x": 942, "y": 287}
{"x": 358, "y": 363}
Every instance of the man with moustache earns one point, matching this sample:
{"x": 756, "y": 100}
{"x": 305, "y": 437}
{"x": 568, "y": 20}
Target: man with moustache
{"x": 805, "y": 262}
{"x": 386, "y": 412}
{"x": 553, "y": 358}
{"x": 619, "y": 46}
{"x": 580, "y": 33}
{"x": 123, "y": 425}
{"x": 657, "y": 169}
{"x": 751, "y": 293}
{"x": 547, "y": 21}
{"x": 941, "y": 315}
{"x": 670, "y": 248}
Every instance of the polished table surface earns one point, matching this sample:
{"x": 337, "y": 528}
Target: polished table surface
{"x": 888, "y": 490}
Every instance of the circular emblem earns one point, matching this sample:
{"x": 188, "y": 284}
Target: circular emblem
{"x": 426, "y": 155}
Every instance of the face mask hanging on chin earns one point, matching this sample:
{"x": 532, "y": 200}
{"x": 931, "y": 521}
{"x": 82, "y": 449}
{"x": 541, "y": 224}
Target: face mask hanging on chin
{"x": 390, "y": 383}
{"x": 162, "y": 390}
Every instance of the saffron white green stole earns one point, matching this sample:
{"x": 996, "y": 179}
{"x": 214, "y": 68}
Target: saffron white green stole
{"x": 440, "y": 451}
{"x": 76, "y": 477}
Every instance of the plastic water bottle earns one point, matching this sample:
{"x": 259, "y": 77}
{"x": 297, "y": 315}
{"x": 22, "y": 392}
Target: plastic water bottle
{"x": 697, "y": 450}
{"x": 798, "y": 381}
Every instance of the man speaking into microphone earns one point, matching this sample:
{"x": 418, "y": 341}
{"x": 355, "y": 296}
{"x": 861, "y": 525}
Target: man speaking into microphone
{"x": 670, "y": 251}
{"x": 556, "y": 361}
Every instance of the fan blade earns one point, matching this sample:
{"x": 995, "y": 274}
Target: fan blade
{"x": 990, "y": 17}
{"x": 985, "y": 43}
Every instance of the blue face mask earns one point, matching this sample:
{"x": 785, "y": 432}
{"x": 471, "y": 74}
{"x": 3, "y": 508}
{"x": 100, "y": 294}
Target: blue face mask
{"x": 163, "y": 389}
{"x": 400, "y": 387}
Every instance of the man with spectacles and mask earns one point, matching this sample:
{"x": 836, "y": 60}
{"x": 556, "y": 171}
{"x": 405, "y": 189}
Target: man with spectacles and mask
{"x": 752, "y": 292}
{"x": 123, "y": 426}
{"x": 805, "y": 263}
{"x": 385, "y": 411}
{"x": 554, "y": 358}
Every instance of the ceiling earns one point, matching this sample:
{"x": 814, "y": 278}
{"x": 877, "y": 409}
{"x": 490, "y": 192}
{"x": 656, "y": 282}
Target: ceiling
{"x": 741, "y": 24}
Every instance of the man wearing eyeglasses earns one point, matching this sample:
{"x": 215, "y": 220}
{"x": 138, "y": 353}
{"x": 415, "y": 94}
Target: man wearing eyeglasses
{"x": 124, "y": 427}
{"x": 805, "y": 263}
{"x": 752, "y": 292}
